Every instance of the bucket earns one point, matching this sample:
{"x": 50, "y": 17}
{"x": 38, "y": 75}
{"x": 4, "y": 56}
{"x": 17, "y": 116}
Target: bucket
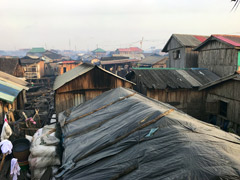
{"x": 21, "y": 149}
{"x": 24, "y": 165}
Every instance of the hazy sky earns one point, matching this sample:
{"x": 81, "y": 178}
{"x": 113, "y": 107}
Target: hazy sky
{"x": 84, "y": 24}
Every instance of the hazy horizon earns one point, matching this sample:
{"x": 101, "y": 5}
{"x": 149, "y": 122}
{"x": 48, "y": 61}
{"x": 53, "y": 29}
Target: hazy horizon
{"x": 110, "y": 24}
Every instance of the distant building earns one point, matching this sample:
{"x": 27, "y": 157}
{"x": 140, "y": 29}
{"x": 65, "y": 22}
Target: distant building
{"x": 83, "y": 83}
{"x": 220, "y": 54}
{"x": 132, "y": 53}
{"x": 180, "y": 50}
{"x": 49, "y": 56}
{"x": 119, "y": 66}
{"x": 66, "y": 66}
{"x": 33, "y": 68}
{"x": 12, "y": 66}
{"x": 36, "y": 52}
{"x": 99, "y": 52}
{"x": 174, "y": 86}
{"x": 153, "y": 61}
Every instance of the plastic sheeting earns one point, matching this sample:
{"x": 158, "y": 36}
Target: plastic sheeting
{"x": 116, "y": 142}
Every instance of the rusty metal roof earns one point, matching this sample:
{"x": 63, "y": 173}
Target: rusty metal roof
{"x": 231, "y": 40}
{"x": 161, "y": 78}
{"x": 153, "y": 59}
{"x": 186, "y": 40}
{"x": 78, "y": 71}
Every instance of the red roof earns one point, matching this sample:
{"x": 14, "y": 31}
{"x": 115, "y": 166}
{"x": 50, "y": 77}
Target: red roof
{"x": 230, "y": 39}
{"x": 131, "y": 49}
{"x": 200, "y": 38}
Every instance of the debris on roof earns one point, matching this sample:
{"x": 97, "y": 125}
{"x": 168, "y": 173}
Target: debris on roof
{"x": 122, "y": 134}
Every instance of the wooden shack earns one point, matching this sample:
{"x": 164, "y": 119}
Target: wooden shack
{"x": 154, "y": 61}
{"x": 65, "y": 66}
{"x": 223, "y": 102}
{"x": 180, "y": 50}
{"x": 174, "y": 86}
{"x": 83, "y": 83}
{"x": 12, "y": 94}
{"x": 12, "y": 66}
{"x": 220, "y": 54}
{"x": 33, "y": 68}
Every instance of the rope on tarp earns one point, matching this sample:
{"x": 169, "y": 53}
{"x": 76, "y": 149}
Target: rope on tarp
{"x": 125, "y": 135}
{"x": 69, "y": 165}
{"x": 103, "y": 107}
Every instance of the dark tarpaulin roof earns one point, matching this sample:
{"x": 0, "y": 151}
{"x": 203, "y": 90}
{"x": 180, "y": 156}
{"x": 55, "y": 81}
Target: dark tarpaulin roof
{"x": 160, "y": 78}
{"x": 123, "y": 135}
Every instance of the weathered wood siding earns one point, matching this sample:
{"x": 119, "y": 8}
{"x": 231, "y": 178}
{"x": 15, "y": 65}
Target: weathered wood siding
{"x": 188, "y": 58}
{"x": 218, "y": 58}
{"x": 190, "y": 101}
{"x": 229, "y": 93}
{"x": 86, "y": 87}
{"x": 67, "y": 66}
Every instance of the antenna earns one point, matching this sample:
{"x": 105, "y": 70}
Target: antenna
{"x": 141, "y": 42}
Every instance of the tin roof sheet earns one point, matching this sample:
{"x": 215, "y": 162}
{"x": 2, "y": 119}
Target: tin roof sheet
{"x": 76, "y": 72}
{"x": 173, "y": 78}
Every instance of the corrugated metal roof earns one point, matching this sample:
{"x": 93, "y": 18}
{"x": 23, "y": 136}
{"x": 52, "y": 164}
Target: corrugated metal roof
{"x": 13, "y": 80}
{"x": 99, "y": 50}
{"x": 186, "y": 40}
{"x": 234, "y": 76}
{"x": 8, "y": 92}
{"x": 232, "y": 40}
{"x": 182, "y": 78}
{"x": 72, "y": 74}
{"x": 131, "y": 49}
{"x": 78, "y": 71}
{"x": 37, "y": 50}
{"x": 120, "y": 61}
{"x": 153, "y": 59}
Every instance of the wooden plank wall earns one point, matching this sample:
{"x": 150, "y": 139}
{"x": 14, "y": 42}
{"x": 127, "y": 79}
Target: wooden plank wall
{"x": 227, "y": 92}
{"x": 218, "y": 58}
{"x": 86, "y": 87}
{"x": 190, "y": 101}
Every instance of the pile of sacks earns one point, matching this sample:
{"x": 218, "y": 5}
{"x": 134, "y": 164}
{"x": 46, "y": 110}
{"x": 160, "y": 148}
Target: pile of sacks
{"x": 44, "y": 151}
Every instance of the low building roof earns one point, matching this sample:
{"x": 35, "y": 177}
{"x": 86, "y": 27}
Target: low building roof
{"x": 14, "y": 80}
{"x": 131, "y": 49}
{"x": 10, "y": 87}
{"x": 119, "y": 61}
{"x": 98, "y": 50}
{"x": 162, "y": 78}
{"x": 28, "y": 60}
{"x": 78, "y": 71}
{"x": 52, "y": 55}
{"x": 231, "y": 40}
{"x": 186, "y": 40}
{"x": 153, "y": 59}
{"x": 37, "y": 50}
{"x": 234, "y": 76}
{"x": 9, "y": 65}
